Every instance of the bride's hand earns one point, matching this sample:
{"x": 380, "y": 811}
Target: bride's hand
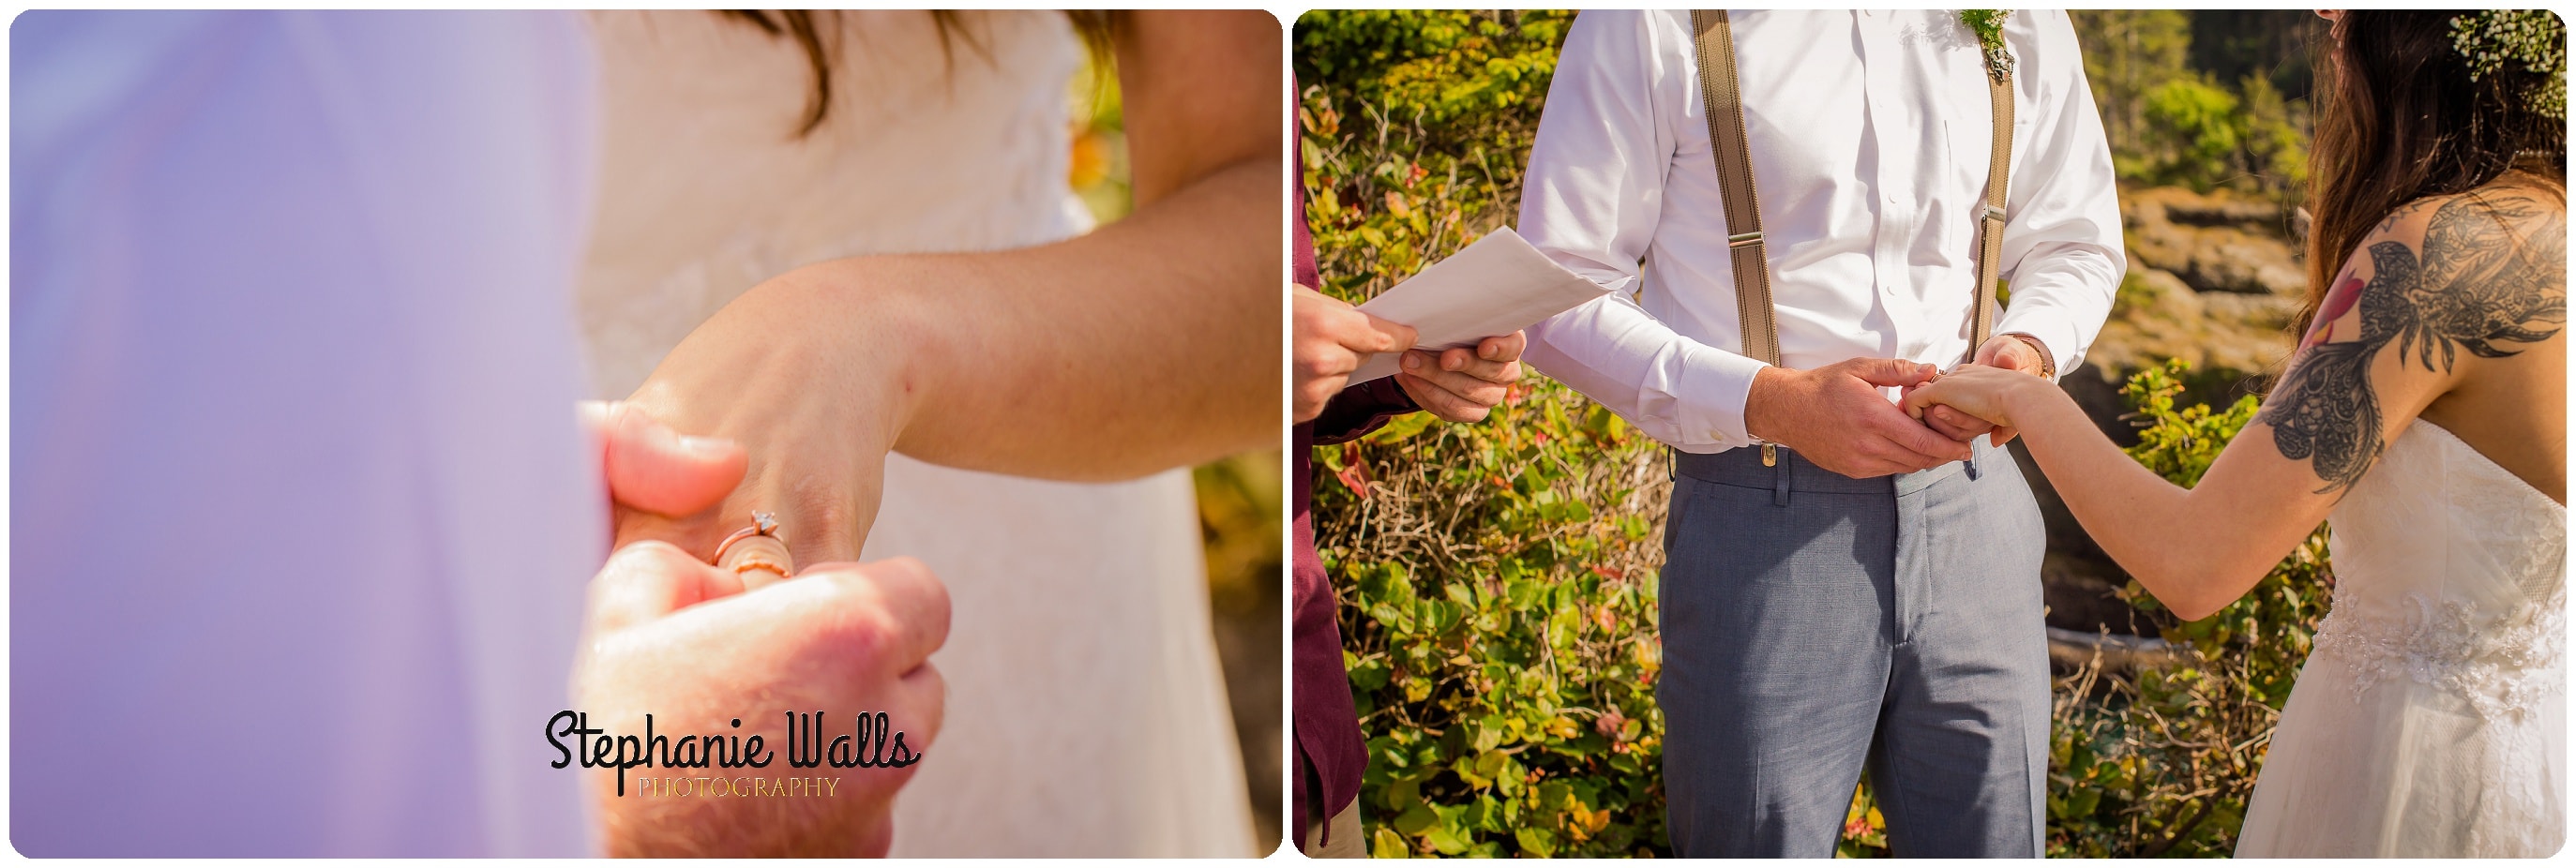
{"x": 1977, "y": 390}
{"x": 816, "y": 418}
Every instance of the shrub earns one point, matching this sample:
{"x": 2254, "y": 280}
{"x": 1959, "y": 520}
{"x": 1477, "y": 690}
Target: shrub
{"x": 2200, "y": 130}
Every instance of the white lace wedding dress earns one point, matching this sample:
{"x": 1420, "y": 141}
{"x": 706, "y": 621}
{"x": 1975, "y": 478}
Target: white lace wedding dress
{"x": 2430, "y": 719}
{"x": 1086, "y": 714}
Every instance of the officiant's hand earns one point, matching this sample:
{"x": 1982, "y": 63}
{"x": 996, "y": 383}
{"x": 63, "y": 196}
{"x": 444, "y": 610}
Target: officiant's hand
{"x": 1462, "y": 384}
{"x": 2008, "y": 351}
{"x": 1331, "y": 340}
{"x": 1836, "y": 417}
{"x": 673, "y": 637}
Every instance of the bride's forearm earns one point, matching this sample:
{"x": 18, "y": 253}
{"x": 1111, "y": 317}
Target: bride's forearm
{"x": 2186, "y": 546}
{"x": 1149, "y": 344}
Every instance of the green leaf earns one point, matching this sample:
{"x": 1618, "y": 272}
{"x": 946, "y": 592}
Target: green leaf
{"x": 1535, "y": 842}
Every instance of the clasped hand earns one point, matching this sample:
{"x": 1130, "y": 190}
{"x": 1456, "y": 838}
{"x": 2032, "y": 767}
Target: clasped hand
{"x": 1332, "y": 339}
{"x": 1836, "y": 417}
{"x": 672, "y": 636}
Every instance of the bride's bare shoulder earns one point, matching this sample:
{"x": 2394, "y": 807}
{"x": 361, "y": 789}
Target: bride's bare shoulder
{"x": 2483, "y": 268}
{"x": 2513, "y": 222}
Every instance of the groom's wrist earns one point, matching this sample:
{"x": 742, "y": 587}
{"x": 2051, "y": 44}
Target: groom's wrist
{"x": 1765, "y": 399}
{"x": 2047, "y": 360}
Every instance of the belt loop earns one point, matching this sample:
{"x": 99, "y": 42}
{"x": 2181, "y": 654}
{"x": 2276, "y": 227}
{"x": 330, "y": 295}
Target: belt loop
{"x": 1780, "y": 487}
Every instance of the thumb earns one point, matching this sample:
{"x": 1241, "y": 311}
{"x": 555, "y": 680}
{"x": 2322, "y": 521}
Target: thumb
{"x": 650, "y": 467}
{"x": 1383, "y": 336}
{"x": 1994, "y": 348}
{"x": 1891, "y": 372}
{"x": 1917, "y": 401}
{"x": 648, "y": 580}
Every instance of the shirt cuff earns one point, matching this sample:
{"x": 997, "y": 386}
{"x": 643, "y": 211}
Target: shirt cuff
{"x": 1711, "y": 411}
{"x": 2056, "y": 336}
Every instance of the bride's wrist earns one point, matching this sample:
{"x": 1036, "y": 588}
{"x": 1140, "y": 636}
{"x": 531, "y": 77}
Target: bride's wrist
{"x": 2024, "y": 399}
{"x": 878, "y": 346}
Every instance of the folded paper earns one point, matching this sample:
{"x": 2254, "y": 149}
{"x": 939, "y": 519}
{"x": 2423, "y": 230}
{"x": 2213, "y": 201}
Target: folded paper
{"x": 1496, "y": 286}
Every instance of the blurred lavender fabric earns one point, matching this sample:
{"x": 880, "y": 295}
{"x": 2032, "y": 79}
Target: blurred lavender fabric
{"x": 301, "y": 509}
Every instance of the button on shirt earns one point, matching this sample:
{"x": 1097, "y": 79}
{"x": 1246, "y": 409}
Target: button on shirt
{"x": 1870, "y": 135}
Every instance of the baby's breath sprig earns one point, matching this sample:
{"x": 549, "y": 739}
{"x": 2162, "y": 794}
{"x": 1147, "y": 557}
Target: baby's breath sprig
{"x": 2533, "y": 38}
{"x": 1988, "y": 24}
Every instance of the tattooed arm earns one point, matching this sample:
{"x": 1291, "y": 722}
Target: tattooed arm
{"x": 2444, "y": 292}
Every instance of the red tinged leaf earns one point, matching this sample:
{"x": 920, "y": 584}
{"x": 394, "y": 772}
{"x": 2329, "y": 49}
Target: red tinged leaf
{"x": 1354, "y": 473}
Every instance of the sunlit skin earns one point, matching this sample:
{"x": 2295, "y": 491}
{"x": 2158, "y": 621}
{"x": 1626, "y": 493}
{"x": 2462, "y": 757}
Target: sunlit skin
{"x": 1331, "y": 339}
{"x": 672, "y": 636}
{"x": 2255, "y": 504}
{"x": 1148, "y": 344}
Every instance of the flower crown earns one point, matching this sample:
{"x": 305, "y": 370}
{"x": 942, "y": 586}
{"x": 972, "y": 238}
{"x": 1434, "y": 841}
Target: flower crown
{"x": 2533, "y": 38}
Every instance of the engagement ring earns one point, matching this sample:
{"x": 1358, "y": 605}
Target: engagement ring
{"x": 762, "y": 524}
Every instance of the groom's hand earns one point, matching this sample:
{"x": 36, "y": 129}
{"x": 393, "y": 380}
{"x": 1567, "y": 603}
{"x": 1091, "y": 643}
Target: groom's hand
{"x": 1462, "y": 384}
{"x": 2008, "y": 351}
{"x": 1836, "y": 417}
{"x": 671, "y": 636}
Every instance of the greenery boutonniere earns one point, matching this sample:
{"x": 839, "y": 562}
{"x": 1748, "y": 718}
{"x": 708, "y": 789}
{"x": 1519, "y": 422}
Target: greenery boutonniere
{"x": 1988, "y": 24}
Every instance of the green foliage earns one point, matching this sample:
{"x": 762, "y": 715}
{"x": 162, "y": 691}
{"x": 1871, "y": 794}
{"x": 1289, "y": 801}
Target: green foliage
{"x": 1498, "y": 579}
{"x": 2171, "y": 124}
{"x": 2127, "y": 53}
{"x": 2196, "y": 122}
{"x": 1988, "y": 24}
{"x": 1499, "y": 625}
{"x": 2276, "y": 139}
{"x": 1417, "y": 124}
{"x": 2161, "y": 761}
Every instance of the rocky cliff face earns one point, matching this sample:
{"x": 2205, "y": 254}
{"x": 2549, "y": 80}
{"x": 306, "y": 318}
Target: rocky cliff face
{"x": 2214, "y": 279}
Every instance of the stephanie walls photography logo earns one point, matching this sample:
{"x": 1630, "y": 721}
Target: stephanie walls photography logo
{"x": 873, "y": 743}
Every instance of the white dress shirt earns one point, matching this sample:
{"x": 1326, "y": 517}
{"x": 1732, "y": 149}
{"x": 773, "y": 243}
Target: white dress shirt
{"x": 1869, "y": 134}
{"x": 303, "y": 509}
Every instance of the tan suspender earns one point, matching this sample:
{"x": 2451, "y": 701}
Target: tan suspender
{"x": 1990, "y": 225}
{"x": 1725, "y": 109}
{"x": 1723, "y": 102}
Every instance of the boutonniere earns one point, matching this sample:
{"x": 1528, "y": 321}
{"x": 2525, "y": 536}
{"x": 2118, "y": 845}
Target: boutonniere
{"x": 1988, "y": 24}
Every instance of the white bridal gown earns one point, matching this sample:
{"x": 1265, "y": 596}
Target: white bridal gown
{"x": 2431, "y": 718}
{"x": 1086, "y": 714}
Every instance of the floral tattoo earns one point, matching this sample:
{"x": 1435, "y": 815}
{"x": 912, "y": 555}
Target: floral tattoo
{"x": 2493, "y": 270}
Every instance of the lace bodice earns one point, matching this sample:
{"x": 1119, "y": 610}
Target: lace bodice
{"x": 2430, "y": 721}
{"x": 2449, "y": 572}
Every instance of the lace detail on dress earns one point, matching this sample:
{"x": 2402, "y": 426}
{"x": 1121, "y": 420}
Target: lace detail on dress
{"x": 2440, "y": 644}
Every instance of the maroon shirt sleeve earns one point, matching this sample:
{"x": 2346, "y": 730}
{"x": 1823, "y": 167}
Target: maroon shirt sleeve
{"x": 1326, "y": 731}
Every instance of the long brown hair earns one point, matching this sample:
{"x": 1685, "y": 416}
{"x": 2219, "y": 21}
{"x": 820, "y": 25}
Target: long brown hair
{"x": 2399, "y": 119}
{"x": 810, "y": 34}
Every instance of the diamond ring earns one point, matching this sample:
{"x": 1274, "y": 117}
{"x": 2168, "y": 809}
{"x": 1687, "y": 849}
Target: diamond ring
{"x": 762, "y": 524}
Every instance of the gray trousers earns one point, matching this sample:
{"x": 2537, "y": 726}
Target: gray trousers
{"x": 1814, "y": 623}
